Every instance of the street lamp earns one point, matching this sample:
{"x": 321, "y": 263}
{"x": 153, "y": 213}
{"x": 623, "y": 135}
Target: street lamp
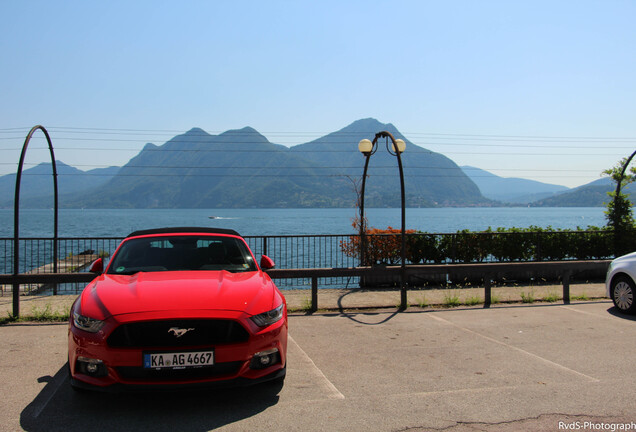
{"x": 397, "y": 147}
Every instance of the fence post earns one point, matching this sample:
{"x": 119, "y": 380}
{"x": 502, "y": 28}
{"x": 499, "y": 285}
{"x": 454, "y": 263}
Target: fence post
{"x": 487, "y": 291}
{"x": 56, "y": 254}
{"x": 566, "y": 287}
{"x": 314, "y": 294}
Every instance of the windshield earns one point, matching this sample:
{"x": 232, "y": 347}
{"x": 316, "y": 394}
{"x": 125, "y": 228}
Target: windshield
{"x": 187, "y": 252}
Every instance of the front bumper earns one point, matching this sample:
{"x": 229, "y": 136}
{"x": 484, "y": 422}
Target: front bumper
{"x": 122, "y": 368}
{"x": 231, "y": 383}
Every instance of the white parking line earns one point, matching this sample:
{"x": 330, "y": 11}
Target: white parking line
{"x": 327, "y": 386}
{"x": 528, "y": 353}
{"x": 606, "y": 315}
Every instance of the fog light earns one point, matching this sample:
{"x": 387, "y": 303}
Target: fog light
{"x": 92, "y": 367}
{"x": 264, "y": 359}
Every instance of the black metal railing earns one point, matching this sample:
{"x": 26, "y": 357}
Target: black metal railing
{"x": 305, "y": 251}
{"x": 342, "y": 251}
{"x": 37, "y": 253}
{"x": 487, "y": 273}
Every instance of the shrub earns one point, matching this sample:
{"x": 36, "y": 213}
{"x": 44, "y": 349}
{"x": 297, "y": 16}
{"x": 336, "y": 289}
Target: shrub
{"x": 503, "y": 245}
{"x": 424, "y": 248}
{"x": 382, "y": 247}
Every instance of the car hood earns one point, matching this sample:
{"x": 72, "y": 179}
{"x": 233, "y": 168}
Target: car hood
{"x": 112, "y": 295}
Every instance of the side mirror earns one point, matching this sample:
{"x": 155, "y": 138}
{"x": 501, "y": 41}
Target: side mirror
{"x": 267, "y": 263}
{"x": 97, "y": 266}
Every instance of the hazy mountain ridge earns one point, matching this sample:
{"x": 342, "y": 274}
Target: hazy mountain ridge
{"x": 511, "y": 189}
{"x": 594, "y": 194}
{"x": 243, "y": 169}
{"x": 36, "y": 188}
{"x": 537, "y": 194}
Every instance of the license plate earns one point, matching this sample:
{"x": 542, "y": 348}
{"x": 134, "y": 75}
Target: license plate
{"x": 178, "y": 360}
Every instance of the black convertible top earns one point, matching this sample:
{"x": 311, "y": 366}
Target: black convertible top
{"x": 178, "y": 230}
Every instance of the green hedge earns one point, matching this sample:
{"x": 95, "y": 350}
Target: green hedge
{"x": 513, "y": 244}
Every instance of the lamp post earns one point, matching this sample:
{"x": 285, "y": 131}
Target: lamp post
{"x": 397, "y": 147}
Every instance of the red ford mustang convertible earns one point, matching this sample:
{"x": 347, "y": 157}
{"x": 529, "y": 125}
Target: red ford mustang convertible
{"x": 178, "y": 307}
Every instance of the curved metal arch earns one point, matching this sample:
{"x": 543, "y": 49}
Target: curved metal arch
{"x": 620, "y": 180}
{"x": 617, "y": 248}
{"x": 16, "y": 213}
{"x": 396, "y": 153}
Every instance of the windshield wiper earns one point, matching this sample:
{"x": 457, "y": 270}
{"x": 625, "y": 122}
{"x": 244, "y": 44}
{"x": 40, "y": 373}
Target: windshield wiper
{"x": 125, "y": 273}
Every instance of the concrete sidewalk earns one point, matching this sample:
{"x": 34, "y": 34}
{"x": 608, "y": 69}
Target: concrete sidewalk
{"x": 337, "y": 299}
{"x": 535, "y": 367}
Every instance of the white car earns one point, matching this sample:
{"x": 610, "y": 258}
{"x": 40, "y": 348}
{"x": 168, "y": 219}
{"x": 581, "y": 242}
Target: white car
{"x": 620, "y": 283}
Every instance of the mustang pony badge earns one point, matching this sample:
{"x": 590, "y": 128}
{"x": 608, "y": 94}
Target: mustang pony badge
{"x": 178, "y": 332}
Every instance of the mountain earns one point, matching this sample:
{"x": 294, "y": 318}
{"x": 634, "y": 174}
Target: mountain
{"x": 593, "y": 194}
{"x": 510, "y": 189}
{"x": 241, "y": 168}
{"x": 431, "y": 179}
{"x": 238, "y": 168}
{"x": 36, "y": 186}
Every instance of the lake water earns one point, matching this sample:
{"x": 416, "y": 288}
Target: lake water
{"x": 248, "y": 222}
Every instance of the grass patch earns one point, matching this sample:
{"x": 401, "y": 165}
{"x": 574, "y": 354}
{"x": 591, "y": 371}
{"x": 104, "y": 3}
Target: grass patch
{"x": 472, "y": 301}
{"x": 494, "y": 299}
{"x": 47, "y": 314}
{"x": 37, "y": 314}
{"x": 527, "y": 297}
{"x": 451, "y": 300}
{"x": 306, "y": 307}
{"x": 8, "y": 319}
{"x": 551, "y": 297}
{"x": 582, "y": 297}
{"x": 422, "y": 302}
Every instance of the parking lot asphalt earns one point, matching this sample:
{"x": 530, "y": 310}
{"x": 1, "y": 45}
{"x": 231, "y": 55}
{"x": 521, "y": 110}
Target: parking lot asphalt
{"x": 508, "y": 368}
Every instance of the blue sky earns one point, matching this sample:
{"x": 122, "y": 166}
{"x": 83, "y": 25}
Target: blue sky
{"x": 536, "y": 89}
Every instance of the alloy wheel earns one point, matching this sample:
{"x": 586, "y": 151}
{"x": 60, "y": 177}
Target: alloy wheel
{"x": 623, "y": 295}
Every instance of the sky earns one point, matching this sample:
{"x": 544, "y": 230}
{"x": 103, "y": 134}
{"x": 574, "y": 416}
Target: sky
{"x": 544, "y": 90}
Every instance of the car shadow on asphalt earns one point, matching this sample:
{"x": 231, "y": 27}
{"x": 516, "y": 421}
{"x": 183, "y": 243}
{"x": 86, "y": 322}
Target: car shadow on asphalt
{"x": 617, "y": 313}
{"x": 59, "y": 407}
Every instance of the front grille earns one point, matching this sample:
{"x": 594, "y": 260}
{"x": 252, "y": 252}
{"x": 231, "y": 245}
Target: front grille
{"x": 216, "y": 371}
{"x": 159, "y": 334}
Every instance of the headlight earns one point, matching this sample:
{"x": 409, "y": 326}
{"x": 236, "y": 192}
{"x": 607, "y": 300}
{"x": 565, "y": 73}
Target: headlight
{"x": 85, "y": 323}
{"x": 269, "y": 317}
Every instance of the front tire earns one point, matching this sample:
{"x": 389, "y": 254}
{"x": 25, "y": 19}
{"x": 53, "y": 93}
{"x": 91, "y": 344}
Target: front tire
{"x": 623, "y": 290}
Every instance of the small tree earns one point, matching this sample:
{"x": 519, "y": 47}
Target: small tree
{"x": 619, "y": 209}
{"x": 382, "y": 247}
